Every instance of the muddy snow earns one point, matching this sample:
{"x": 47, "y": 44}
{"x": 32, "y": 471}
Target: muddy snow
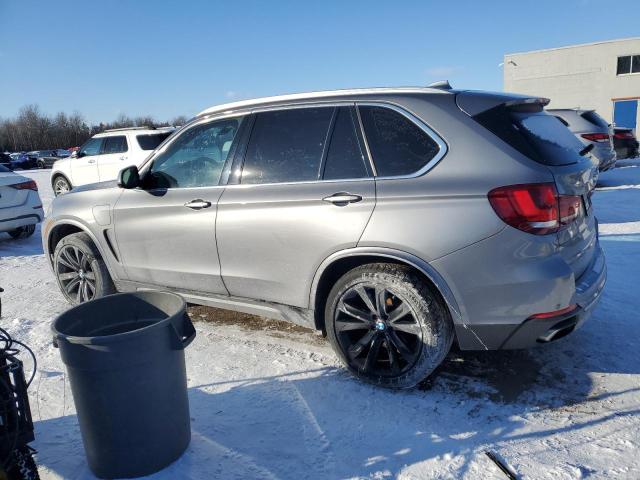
{"x": 271, "y": 401}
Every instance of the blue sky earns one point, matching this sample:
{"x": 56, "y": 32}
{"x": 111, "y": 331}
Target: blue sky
{"x": 179, "y": 57}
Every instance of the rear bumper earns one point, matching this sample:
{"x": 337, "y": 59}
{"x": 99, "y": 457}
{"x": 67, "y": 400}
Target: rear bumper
{"x": 589, "y": 288}
{"x": 21, "y": 215}
{"x": 533, "y": 331}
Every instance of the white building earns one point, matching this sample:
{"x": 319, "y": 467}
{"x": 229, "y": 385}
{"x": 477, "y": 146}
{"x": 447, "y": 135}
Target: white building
{"x": 604, "y": 76}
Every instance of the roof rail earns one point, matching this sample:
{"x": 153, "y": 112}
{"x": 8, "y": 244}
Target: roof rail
{"x": 128, "y": 128}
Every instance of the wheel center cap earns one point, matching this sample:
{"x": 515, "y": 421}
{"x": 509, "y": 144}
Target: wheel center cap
{"x": 81, "y": 274}
{"x": 380, "y": 325}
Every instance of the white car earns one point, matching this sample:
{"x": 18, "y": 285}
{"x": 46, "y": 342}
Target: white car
{"x": 102, "y": 157}
{"x": 20, "y": 204}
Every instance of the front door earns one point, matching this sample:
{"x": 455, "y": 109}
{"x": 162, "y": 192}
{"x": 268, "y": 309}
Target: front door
{"x": 165, "y": 230}
{"x": 84, "y": 168}
{"x": 305, "y": 192}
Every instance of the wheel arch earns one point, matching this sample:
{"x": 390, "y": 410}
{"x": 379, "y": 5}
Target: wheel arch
{"x": 57, "y": 174}
{"x": 339, "y": 263}
{"x": 64, "y": 229}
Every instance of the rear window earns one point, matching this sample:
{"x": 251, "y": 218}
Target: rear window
{"x": 593, "y": 117}
{"x": 150, "y": 142}
{"x": 534, "y": 133}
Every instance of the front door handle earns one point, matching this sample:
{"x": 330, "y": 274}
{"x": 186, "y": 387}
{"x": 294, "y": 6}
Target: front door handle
{"x": 197, "y": 204}
{"x": 91, "y": 161}
{"x": 342, "y": 198}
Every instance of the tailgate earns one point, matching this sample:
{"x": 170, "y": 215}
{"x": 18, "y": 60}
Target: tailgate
{"x": 11, "y": 197}
{"x": 578, "y": 241}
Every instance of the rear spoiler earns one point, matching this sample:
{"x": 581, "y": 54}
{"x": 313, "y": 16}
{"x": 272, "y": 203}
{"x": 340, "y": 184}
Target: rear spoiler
{"x": 474, "y": 103}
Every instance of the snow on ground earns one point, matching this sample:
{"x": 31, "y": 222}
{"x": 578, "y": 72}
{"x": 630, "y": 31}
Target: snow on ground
{"x": 272, "y": 402}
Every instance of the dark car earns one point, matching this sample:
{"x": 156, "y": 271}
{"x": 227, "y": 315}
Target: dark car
{"x": 44, "y": 158}
{"x": 625, "y": 143}
{"x": 5, "y": 161}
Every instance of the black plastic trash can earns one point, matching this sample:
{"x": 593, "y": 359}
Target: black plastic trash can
{"x": 125, "y": 358}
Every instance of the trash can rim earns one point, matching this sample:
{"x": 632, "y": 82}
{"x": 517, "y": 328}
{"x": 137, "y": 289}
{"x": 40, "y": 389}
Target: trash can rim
{"x": 108, "y": 339}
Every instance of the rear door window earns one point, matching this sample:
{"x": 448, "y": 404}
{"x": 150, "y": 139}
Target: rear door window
{"x": 150, "y": 142}
{"x": 115, "y": 144}
{"x": 287, "y": 145}
{"x": 398, "y": 146}
{"x": 345, "y": 159}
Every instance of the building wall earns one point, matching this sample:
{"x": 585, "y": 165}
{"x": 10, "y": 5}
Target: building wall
{"x": 581, "y": 76}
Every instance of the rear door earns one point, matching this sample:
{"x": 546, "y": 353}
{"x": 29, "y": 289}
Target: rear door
{"x": 84, "y": 168}
{"x": 113, "y": 157}
{"x": 303, "y": 192}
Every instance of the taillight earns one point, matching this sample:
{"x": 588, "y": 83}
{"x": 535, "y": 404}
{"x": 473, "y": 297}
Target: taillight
{"x": 534, "y": 208}
{"x": 596, "y": 137}
{"x": 30, "y": 185}
{"x": 623, "y": 135}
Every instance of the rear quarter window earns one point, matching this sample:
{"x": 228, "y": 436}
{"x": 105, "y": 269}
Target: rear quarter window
{"x": 398, "y": 146}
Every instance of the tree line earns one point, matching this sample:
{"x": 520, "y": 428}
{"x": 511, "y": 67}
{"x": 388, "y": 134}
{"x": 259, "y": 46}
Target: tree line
{"x": 31, "y": 129}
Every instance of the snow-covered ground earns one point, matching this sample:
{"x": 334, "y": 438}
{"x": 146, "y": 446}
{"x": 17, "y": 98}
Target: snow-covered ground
{"x": 272, "y": 402}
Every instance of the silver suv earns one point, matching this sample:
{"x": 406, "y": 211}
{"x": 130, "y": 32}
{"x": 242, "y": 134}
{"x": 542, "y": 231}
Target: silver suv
{"x": 591, "y": 129}
{"x": 395, "y": 220}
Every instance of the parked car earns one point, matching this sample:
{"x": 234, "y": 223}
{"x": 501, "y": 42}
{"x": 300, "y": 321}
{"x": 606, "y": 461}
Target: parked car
{"x": 23, "y": 161}
{"x": 5, "y": 161}
{"x": 104, "y": 155}
{"x": 20, "y": 204}
{"x": 46, "y": 158}
{"x": 591, "y": 129}
{"x": 396, "y": 220}
{"x": 625, "y": 143}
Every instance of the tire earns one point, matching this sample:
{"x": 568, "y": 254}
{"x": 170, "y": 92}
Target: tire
{"x": 22, "y": 232}
{"x": 22, "y": 466}
{"x": 41, "y": 165}
{"x": 396, "y": 338}
{"x": 80, "y": 271}
{"x": 60, "y": 185}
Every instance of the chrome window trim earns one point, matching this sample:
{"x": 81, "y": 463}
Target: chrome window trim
{"x": 443, "y": 148}
{"x": 442, "y": 145}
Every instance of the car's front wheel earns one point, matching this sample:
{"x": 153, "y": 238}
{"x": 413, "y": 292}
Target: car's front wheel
{"x": 80, "y": 270}
{"x": 387, "y": 325}
{"x": 60, "y": 185}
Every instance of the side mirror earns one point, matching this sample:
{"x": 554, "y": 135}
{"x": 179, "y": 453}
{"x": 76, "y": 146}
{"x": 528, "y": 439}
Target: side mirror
{"x": 77, "y": 154}
{"x": 129, "y": 177}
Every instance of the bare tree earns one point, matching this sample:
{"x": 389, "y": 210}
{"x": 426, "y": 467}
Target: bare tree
{"x": 33, "y": 130}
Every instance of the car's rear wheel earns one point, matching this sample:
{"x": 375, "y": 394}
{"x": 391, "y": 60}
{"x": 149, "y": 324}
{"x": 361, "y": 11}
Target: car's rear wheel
{"x": 80, "y": 270}
{"x": 60, "y": 185}
{"x": 22, "y": 232}
{"x": 387, "y": 325}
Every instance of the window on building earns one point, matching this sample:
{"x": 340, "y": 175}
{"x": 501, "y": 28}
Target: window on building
{"x": 628, "y": 64}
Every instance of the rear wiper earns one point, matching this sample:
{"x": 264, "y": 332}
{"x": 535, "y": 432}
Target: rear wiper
{"x": 586, "y": 150}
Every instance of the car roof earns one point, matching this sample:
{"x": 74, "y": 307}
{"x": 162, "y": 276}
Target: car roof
{"x": 319, "y": 95}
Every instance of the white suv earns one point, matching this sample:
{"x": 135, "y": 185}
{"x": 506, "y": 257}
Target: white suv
{"x": 102, "y": 157}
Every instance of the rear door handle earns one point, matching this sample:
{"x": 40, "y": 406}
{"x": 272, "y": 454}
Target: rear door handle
{"x": 197, "y": 204}
{"x": 342, "y": 198}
